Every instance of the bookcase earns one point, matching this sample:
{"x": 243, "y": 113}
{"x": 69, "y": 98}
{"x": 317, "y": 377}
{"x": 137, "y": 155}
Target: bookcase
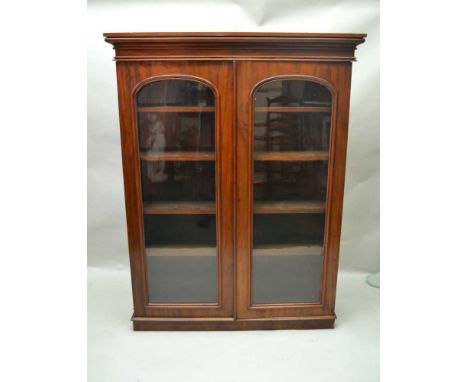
{"x": 234, "y": 153}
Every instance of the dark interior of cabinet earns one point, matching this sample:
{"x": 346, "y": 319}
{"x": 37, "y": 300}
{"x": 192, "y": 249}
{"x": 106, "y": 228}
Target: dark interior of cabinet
{"x": 290, "y": 92}
{"x": 178, "y": 180}
{"x": 183, "y": 230}
{"x": 291, "y": 131}
{"x": 175, "y": 92}
{"x": 301, "y": 229}
{"x": 279, "y": 180}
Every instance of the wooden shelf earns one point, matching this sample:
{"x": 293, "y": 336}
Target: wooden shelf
{"x": 289, "y": 207}
{"x": 288, "y": 250}
{"x": 179, "y": 208}
{"x": 195, "y": 208}
{"x": 291, "y": 156}
{"x": 178, "y": 156}
{"x": 177, "y": 250}
{"x": 175, "y": 109}
{"x": 293, "y": 109}
{"x": 264, "y": 250}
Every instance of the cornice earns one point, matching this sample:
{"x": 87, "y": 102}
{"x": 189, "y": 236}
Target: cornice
{"x": 240, "y": 45}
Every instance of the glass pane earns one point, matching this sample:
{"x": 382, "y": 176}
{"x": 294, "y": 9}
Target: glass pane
{"x": 181, "y": 258}
{"x": 291, "y": 148}
{"x": 176, "y": 131}
{"x": 288, "y": 181}
{"x": 291, "y": 131}
{"x": 175, "y": 93}
{"x": 292, "y": 93}
{"x": 178, "y": 181}
{"x": 176, "y": 125}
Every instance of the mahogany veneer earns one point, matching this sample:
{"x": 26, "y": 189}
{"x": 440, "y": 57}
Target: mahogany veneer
{"x": 234, "y": 153}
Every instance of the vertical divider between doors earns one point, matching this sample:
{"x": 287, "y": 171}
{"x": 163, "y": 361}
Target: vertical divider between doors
{"x": 244, "y": 187}
{"x": 234, "y": 175}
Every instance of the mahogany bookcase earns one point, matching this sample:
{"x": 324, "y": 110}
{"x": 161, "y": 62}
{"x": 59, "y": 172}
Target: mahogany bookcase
{"x": 234, "y": 152}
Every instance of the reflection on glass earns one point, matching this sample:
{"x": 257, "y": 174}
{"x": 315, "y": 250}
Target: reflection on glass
{"x": 181, "y": 258}
{"x": 175, "y": 93}
{"x": 281, "y": 131}
{"x": 291, "y": 142}
{"x": 178, "y": 181}
{"x": 176, "y": 131}
{"x": 176, "y": 125}
{"x": 289, "y": 181}
{"x": 292, "y": 93}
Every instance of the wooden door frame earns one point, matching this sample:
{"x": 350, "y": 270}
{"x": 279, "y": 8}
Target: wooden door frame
{"x": 131, "y": 77}
{"x": 250, "y": 75}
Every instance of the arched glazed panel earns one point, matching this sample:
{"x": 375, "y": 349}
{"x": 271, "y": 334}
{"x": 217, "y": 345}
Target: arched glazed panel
{"x": 176, "y": 128}
{"x": 175, "y": 92}
{"x": 291, "y": 128}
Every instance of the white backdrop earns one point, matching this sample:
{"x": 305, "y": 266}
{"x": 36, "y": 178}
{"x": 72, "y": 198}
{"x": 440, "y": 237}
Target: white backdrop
{"x": 107, "y": 236}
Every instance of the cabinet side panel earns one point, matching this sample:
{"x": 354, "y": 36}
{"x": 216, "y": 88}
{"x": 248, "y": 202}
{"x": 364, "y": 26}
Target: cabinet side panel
{"x": 341, "y": 77}
{"x": 131, "y": 171}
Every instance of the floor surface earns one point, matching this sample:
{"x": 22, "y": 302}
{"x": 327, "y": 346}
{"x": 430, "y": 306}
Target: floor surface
{"x": 348, "y": 353}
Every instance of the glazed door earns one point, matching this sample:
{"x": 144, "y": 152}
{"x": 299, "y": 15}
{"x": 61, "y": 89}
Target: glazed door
{"x": 289, "y": 200}
{"x": 178, "y": 160}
